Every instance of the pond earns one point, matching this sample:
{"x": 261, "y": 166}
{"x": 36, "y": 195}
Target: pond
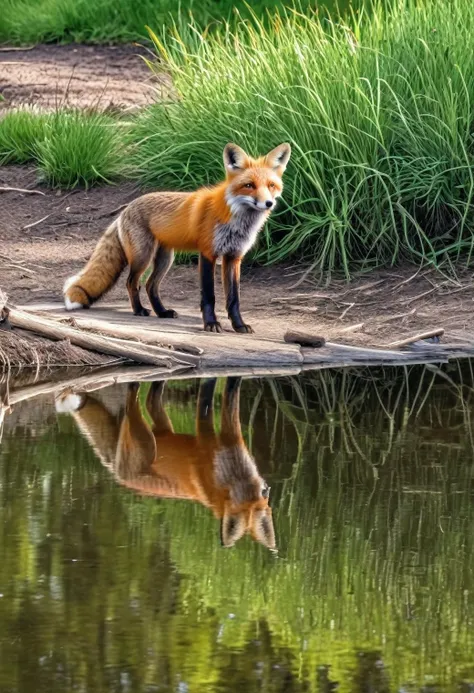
{"x": 318, "y": 538}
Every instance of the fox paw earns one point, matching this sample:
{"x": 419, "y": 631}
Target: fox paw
{"x": 212, "y": 326}
{"x": 168, "y": 314}
{"x": 243, "y": 329}
{"x": 142, "y": 311}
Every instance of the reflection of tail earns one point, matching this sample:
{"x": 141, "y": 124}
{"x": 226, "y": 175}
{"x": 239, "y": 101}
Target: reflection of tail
{"x": 100, "y": 273}
{"x": 213, "y": 469}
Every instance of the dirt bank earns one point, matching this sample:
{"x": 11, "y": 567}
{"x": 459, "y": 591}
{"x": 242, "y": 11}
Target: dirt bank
{"x": 45, "y": 238}
{"x": 81, "y": 76}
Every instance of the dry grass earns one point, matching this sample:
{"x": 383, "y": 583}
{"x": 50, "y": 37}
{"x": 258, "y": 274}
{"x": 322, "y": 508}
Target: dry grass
{"x": 18, "y": 348}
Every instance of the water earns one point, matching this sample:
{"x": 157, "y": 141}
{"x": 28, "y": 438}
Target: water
{"x": 106, "y": 587}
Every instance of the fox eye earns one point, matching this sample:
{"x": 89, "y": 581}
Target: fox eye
{"x": 271, "y": 186}
{"x": 249, "y": 186}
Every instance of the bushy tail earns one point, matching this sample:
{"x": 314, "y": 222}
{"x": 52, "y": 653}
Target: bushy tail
{"x": 100, "y": 274}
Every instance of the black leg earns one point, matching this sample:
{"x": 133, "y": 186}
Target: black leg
{"x": 205, "y": 406}
{"x": 208, "y": 298}
{"x": 231, "y": 280}
{"x": 163, "y": 260}
{"x": 133, "y": 287}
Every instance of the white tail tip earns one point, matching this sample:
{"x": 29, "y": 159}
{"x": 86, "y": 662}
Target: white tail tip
{"x": 68, "y": 403}
{"x": 72, "y": 305}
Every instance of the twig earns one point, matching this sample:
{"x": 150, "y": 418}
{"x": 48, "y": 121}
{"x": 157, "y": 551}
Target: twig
{"x": 353, "y": 328}
{"x": 8, "y": 49}
{"x": 407, "y": 281}
{"x": 416, "y": 298}
{"x": 438, "y": 332}
{"x": 35, "y": 223}
{"x": 397, "y": 316}
{"x": 7, "y": 188}
{"x": 346, "y": 310}
{"x": 20, "y": 267}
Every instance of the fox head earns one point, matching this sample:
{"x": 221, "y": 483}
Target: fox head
{"x": 254, "y": 519}
{"x": 254, "y": 184}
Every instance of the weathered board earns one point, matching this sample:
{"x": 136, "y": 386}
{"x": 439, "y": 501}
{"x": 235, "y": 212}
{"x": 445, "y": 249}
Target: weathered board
{"x": 257, "y": 354}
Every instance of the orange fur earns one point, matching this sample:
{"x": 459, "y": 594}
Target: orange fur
{"x": 182, "y": 221}
{"x": 215, "y": 470}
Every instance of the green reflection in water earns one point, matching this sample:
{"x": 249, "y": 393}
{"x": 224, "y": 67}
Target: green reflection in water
{"x": 108, "y": 588}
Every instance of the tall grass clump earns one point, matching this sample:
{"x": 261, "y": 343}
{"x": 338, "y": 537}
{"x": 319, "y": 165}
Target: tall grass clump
{"x": 20, "y": 131}
{"x": 81, "y": 148}
{"x": 379, "y": 114}
{"x": 68, "y": 147}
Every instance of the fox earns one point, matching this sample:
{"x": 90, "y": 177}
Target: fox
{"x": 222, "y": 221}
{"x": 210, "y": 468}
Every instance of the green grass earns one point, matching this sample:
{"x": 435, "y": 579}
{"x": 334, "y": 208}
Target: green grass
{"x": 30, "y": 21}
{"x": 381, "y": 133}
{"x": 68, "y": 147}
{"x": 20, "y": 131}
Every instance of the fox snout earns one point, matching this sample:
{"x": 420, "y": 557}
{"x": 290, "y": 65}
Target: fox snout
{"x": 267, "y": 204}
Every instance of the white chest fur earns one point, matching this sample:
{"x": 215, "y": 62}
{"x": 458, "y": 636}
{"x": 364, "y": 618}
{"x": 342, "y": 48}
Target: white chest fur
{"x": 237, "y": 236}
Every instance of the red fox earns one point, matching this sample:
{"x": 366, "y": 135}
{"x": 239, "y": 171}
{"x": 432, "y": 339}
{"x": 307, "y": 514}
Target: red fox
{"x": 220, "y": 221}
{"x": 213, "y": 469}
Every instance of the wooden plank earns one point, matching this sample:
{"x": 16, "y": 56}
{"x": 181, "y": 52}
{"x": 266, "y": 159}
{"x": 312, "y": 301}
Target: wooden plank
{"x": 152, "y": 337}
{"x": 225, "y": 350}
{"x": 105, "y": 345}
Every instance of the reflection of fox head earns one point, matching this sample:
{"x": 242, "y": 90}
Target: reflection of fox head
{"x": 216, "y": 470}
{"x": 246, "y": 510}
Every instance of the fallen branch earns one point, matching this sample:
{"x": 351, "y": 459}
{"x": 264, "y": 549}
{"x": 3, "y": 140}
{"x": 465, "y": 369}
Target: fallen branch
{"x": 304, "y": 339}
{"x": 438, "y": 332}
{"x": 141, "y": 335}
{"x": 133, "y": 351}
{"x": 22, "y": 190}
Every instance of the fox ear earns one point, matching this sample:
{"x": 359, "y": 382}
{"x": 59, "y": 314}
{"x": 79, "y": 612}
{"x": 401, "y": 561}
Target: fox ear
{"x": 262, "y": 528}
{"x": 279, "y": 157}
{"x": 233, "y": 528}
{"x": 235, "y": 159}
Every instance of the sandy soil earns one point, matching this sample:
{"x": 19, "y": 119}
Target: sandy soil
{"x": 49, "y": 76}
{"x": 47, "y": 237}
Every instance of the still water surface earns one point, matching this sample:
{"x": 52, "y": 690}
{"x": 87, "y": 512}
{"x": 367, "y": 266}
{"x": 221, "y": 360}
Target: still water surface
{"x": 354, "y": 572}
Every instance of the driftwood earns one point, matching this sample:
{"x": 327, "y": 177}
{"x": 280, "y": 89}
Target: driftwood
{"x": 438, "y": 332}
{"x": 304, "y": 339}
{"x": 145, "y": 336}
{"x": 132, "y": 351}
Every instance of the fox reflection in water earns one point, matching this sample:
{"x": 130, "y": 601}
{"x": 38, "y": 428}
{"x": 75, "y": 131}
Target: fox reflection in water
{"x": 214, "y": 469}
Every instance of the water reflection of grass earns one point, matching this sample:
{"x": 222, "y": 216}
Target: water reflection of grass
{"x": 375, "y": 529}
{"x": 372, "y": 498}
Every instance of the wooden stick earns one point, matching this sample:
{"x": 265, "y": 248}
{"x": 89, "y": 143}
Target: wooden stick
{"x": 438, "y": 332}
{"x": 132, "y": 351}
{"x": 141, "y": 335}
{"x": 304, "y": 339}
{"x": 7, "y": 188}
{"x": 353, "y": 328}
